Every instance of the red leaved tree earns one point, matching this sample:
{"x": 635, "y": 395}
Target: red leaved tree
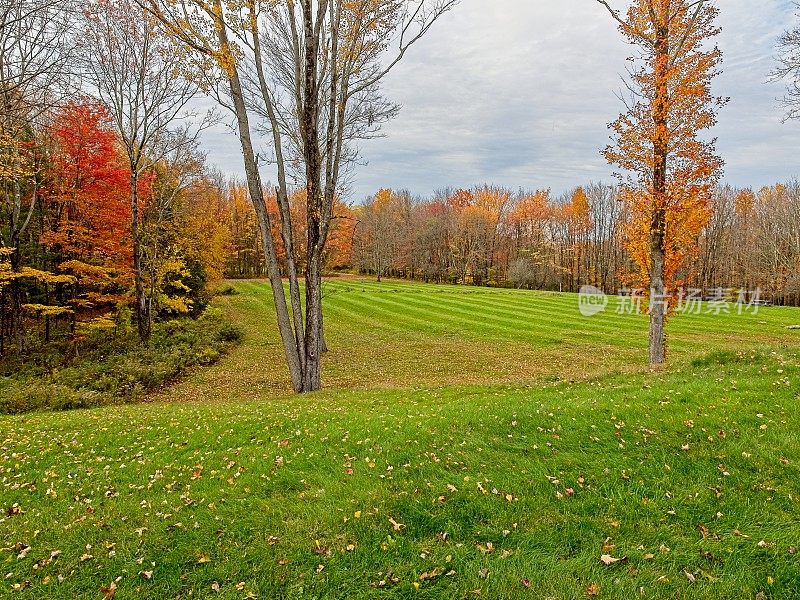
{"x": 89, "y": 210}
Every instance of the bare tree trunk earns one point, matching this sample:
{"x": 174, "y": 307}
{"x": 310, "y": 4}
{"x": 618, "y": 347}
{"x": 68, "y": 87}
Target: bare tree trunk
{"x": 291, "y": 349}
{"x": 658, "y": 299}
{"x": 316, "y": 213}
{"x": 2, "y": 321}
{"x": 143, "y": 316}
{"x": 313, "y": 339}
{"x": 17, "y": 318}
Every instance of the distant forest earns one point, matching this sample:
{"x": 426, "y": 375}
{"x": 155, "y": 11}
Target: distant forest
{"x": 491, "y": 236}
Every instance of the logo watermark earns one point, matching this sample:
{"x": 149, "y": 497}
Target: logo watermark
{"x": 592, "y": 301}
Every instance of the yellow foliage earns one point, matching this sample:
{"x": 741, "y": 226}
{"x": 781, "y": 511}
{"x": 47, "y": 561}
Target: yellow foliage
{"x": 47, "y": 311}
{"x": 103, "y": 323}
{"x": 175, "y": 304}
{"x": 83, "y": 271}
{"x": 42, "y": 276}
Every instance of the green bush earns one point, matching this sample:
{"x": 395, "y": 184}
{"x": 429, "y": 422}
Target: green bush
{"x": 114, "y": 370}
{"x": 227, "y": 290}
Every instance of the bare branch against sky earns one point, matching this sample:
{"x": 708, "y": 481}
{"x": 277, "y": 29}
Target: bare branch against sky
{"x": 486, "y": 101}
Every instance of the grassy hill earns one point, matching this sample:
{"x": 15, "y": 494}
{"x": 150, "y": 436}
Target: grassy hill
{"x": 472, "y": 443}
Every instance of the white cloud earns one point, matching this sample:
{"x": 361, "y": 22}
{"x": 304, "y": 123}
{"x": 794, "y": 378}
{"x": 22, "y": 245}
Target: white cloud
{"x": 520, "y": 94}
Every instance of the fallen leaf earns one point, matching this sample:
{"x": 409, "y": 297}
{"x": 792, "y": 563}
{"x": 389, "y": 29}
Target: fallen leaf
{"x": 609, "y": 560}
{"x": 321, "y": 550}
{"x": 395, "y": 525}
{"x": 109, "y": 591}
{"x": 431, "y": 574}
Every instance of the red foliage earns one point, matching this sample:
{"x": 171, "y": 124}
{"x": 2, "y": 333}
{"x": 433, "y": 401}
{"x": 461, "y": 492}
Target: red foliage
{"x": 90, "y": 193}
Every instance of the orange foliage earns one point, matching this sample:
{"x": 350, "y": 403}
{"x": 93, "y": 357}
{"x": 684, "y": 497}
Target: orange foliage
{"x": 670, "y": 171}
{"x": 531, "y": 212}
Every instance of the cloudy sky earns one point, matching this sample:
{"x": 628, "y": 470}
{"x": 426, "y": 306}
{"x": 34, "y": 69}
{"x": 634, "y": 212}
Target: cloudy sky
{"x": 519, "y": 93}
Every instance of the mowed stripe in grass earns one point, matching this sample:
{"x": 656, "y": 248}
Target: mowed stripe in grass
{"x": 399, "y": 335}
{"x": 395, "y": 334}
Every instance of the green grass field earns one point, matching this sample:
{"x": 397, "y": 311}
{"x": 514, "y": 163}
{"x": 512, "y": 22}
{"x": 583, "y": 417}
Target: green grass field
{"x": 471, "y": 443}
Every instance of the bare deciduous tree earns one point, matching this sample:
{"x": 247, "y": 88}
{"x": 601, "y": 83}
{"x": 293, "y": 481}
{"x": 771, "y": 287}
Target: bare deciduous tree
{"x": 134, "y": 69}
{"x": 307, "y": 74}
{"x": 789, "y": 68}
{"x": 35, "y": 50}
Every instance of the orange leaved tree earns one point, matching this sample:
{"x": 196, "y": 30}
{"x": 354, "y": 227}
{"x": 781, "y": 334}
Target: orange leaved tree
{"x": 668, "y": 170}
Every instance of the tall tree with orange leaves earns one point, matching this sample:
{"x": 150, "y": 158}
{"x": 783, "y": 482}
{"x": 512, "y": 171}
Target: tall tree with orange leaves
{"x": 668, "y": 171}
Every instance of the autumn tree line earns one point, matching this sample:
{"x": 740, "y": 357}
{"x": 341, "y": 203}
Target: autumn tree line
{"x": 110, "y": 216}
{"x": 492, "y": 236}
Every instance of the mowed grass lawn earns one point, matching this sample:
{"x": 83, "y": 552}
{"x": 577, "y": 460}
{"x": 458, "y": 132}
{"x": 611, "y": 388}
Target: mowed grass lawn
{"x": 471, "y": 443}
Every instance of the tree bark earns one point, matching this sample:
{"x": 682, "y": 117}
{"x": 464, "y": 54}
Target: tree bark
{"x": 315, "y": 213}
{"x": 143, "y": 303}
{"x": 658, "y": 298}
{"x": 17, "y": 318}
{"x": 313, "y": 337}
{"x": 255, "y": 189}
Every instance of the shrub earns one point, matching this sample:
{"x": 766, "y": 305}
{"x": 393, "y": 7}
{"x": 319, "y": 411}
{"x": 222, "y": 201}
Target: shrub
{"x": 117, "y": 371}
{"x": 227, "y": 290}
